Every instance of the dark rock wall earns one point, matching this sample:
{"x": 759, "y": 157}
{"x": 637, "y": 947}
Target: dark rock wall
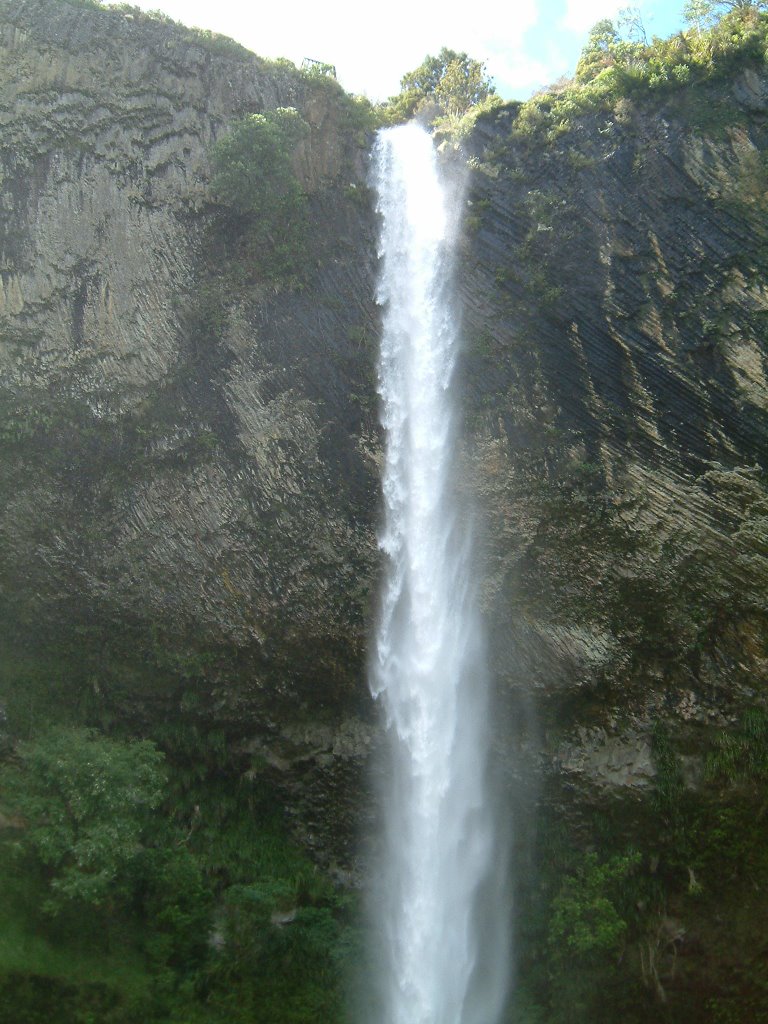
{"x": 614, "y": 283}
{"x": 180, "y": 447}
{"x": 188, "y": 474}
{"x": 190, "y": 445}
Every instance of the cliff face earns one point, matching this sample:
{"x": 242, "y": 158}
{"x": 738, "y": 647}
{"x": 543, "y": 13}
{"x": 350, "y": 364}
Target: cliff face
{"x": 179, "y": 446}
{"x": 615, "y": 288}
{"x": 188, "y": 439}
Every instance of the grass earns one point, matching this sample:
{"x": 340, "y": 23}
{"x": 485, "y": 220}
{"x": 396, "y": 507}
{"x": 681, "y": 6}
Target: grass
{"x": 75, "y": 949}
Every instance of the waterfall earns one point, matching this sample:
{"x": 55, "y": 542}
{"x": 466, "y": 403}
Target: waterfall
{"x": 441, "y": 917}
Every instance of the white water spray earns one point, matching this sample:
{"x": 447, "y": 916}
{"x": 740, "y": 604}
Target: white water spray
{"x": 442, "y": 919}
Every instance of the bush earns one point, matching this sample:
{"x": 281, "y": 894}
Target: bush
{"x": 611, "y": 68}
{"x": 254, "y": 175}
{"x": 86, "y": 800}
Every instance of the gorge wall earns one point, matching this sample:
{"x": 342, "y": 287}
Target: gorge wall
{"x": 189, "y": 447}
{"x": 188, "y": 444}
{"x": 616, "y": 311}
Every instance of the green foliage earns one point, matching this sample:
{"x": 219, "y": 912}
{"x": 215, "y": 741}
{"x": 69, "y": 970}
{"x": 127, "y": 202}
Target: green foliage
{"x": 669, "y": 786}
{"x": 281, "y": 958}
{"x": 619, "y": 63}
{"x": 741, "y": 757}
{"x": 177, "y": 906}
{"x": 672, "y": 931}
{"x": 463, "y": 84}
{"x": 676, "y": 809}
{"x": 585, "y": 919}
{"x": 317, "y": 68}
{"x": 86, "y": 3}
{"x": 704, "y": 13}
{"x": 579, "y": 921}
{"x": 205, "y": 911}
{"x": 86, "y": 799}
{"x": 252, "y": 164}
{"x": 254, "y": 176}
{"x": 452, "y": 82}
{"x": 217, "y": 43}
{"x": 597, "y": 54}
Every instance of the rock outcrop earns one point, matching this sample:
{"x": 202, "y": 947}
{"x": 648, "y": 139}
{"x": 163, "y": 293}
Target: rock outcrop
{"x": 185, "y": 443}
{"x": 188, "y": 444}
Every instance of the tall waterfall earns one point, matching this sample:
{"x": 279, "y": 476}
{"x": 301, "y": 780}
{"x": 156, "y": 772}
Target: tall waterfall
{"x": 441, "y": 917}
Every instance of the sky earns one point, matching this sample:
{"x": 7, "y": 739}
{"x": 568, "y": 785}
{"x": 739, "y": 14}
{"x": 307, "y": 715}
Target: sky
{"x": 525, "y": 44}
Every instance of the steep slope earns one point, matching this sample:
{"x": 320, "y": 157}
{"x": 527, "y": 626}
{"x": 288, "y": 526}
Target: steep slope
{"x": 188, "y": 433}
{"x": 615, "y": 288}
{"x": 614, "y": 282}
{"x": 178, "y": 444}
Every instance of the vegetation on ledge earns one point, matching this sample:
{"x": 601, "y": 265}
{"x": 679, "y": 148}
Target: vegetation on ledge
{"x": 619, "y": 64}
{"x": 149, "y": 882}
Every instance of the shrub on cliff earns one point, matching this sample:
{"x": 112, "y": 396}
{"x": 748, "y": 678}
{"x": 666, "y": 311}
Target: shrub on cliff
{"x": 254, "y": 176}
{"x": 618, "y": 63}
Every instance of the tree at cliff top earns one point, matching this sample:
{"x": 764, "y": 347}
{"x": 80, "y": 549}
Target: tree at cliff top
{"x": 452, "y": 82}
{"x": 598, "y": 51}
{"x": 701, "y": 13}
{"x": 619, "y": 61}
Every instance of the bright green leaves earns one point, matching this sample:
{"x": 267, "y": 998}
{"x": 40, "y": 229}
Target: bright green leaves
{"x": 597, "y": 54}
{"x": 86, "y": 800}
{"x": 452, "y": 81}
{"x": 585, "y": 916}
{"x": 253, "y": 165}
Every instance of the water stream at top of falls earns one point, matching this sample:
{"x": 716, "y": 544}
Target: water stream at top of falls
{"x": 441, "y": 918}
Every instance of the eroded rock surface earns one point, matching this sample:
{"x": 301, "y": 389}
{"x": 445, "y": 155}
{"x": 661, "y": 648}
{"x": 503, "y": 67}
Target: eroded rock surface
{"x": 190, "y": 445}
{"x": 616, "y": 305}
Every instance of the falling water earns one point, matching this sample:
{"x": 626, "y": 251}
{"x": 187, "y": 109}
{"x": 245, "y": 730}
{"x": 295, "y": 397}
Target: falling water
{"x": 441, "y": 917}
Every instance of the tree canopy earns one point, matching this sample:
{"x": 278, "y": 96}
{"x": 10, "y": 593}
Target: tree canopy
{"x": 253, "y": 163}
{"x": 452, "y": 80}
{"x": 86, "y": 800}
{"x": 254, "y": 176}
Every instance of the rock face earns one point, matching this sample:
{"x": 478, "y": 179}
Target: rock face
{"x": 616, "y": 305}
{"x": 188, "y": 441}
{"x": 614, "y": 283}
{"x": 179, "y": 447}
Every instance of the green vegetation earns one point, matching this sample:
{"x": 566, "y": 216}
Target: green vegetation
{"x": 585, "y": 921}
{"x": 452, "y": 81}
{"x": 622, "y": 934}
{"x": 85, "y": 800}
{"x": 619, "y": 64}
{"x": 253, "y": 164}
{"x": 741, "y": 757}
{"x": 255, "y": 178}
{"x": 448, "y": 90}
{"x": 147, "y": 881}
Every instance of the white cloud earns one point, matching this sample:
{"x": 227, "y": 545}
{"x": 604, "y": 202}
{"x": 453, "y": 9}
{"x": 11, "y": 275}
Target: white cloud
{"x": 517, "y": 75}
{"x": 581, "y": 15}
{"x": 372, "y": 50}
